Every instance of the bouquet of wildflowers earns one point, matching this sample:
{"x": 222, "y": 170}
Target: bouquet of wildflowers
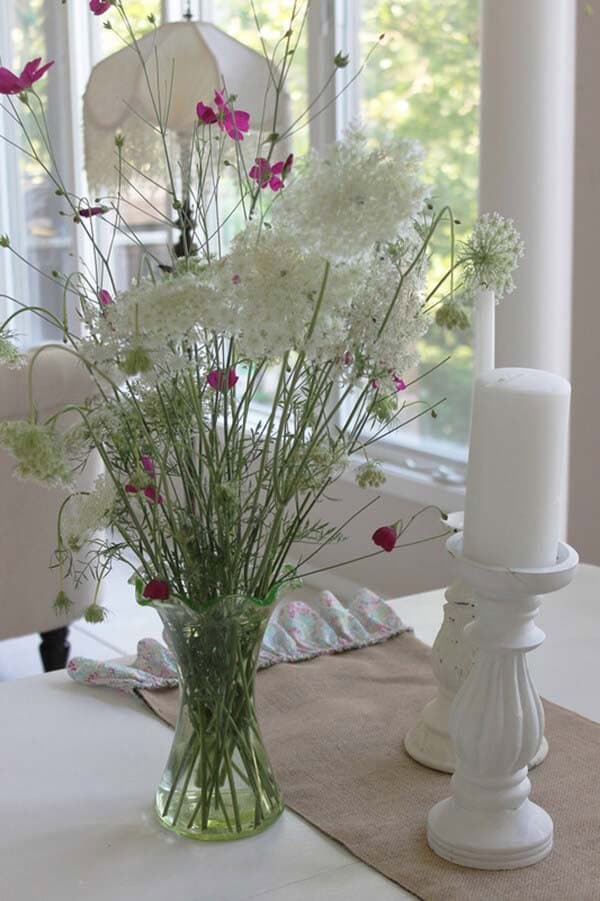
{"x": 212, "y": 499}
{"x": 201, "y": 496}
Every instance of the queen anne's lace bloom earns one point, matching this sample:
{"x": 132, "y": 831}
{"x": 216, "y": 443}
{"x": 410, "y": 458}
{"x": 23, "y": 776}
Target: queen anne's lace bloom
{"x": 491, "y": 255}
{"x": 370, "y": 475}
{"x": 344, "y": 202}
{"x": 9, "y": 354}
{"x": 87, "y": 513}
{"x": 384, "y": 343}
{"x": 275, "y": 293}
{"x": 38, "y": 450}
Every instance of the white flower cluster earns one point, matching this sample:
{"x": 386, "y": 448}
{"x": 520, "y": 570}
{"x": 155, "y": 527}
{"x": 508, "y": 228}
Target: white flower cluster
{"x": 491, "y": 255}
{"x": 87, "y": 513}
{"x": 149, "y": 315}
{"x": 324, "y": 277}
{"x": 387, "y": 319}
{"x": 273, "y": 286}
{"x": 38, "y": 450}
{"x": 9, "y": 354}
{"x": 354, "y": 196}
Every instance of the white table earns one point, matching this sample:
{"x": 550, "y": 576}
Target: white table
{"x": 78, "y": 769}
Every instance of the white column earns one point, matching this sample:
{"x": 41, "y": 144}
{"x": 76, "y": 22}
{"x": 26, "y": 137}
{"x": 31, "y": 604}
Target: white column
{"x": 526, "y": 169}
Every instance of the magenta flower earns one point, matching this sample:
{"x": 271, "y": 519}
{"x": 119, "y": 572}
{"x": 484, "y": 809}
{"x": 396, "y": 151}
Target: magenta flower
{"x": 157, "y": 590}
{"x": 105, "y": 298}
{"x": 99, "y": 7}
{"x": 273, "y": 176}
{"x": 385, "y": 537}
{"x": 89, "y": 211}
{"x": 221, "y": 380}
{"x": 16, "y": 84}
{"x": 235, "y": 279}
{"x": 234, "y": 122}
{"x": 148, "y": 465}
{"x": 152, "y": 495}
{"x": 399, "y": 383}
{"x": 131, "y": 489}
{"x": 206, "y": 114}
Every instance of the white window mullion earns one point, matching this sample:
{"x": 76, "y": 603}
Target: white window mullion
{"x": 347, "y": 33}
{"x": 321, "y": 53}
{"x": 12, "y": 202}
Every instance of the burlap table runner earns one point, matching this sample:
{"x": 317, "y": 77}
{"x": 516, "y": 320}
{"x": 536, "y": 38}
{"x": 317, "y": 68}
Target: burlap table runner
{"x": 334, "y": 728}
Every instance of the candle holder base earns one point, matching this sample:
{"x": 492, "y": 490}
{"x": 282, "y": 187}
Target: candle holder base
{"x": 452, "y": 658}
{"x": 490, "y": 840}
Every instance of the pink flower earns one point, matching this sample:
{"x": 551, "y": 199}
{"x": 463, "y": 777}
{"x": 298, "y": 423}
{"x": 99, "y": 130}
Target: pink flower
{"x": 234, "y": 122}
{"x": 157, "y": 590}
{"x": 105, "y": 298}
{"x": 236, "y": 279}
{"x": 89, "y": 211}
{"x": 348, "y": 358}
{"x": 399, "y": 383}
{"x": 217, "y": 379}
{"x": 152, "y": 495}
{"x": 99, "y": 7}
{"x": 148, "y": 465}
{"x": 206, "y": 114}
{"x": 131, "y": 489}
{"x": 385, "y": 537}
{"x": 273, "y": 176}
{"x": 16, "y": 84}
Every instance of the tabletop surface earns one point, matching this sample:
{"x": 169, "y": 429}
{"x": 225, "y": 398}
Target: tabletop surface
{"x": 78, "y": 769}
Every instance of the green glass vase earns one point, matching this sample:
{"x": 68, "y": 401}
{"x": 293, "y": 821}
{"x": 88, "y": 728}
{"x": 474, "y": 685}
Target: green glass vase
{"x": 218, "y": 783}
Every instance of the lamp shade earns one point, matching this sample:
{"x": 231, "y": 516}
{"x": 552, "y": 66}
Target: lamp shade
{"x": 185, "y": 62}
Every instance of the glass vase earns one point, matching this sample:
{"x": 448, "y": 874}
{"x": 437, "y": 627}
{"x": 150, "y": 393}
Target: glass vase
{"x": 218, "y": 783}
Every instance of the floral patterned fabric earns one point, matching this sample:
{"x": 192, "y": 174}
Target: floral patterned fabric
{"x": 297, "y": 631}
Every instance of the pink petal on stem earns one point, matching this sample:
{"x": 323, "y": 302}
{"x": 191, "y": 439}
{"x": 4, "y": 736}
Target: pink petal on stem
{"x": 385, "y": 537}
{"x": 152, "y": 495}
{"x": 206, "y": 114}
{"x": 99, "y": 7}
{"x": 148, "y": 465}
{"x": 105, "y": 298}
{"x": 32, "y": 73}
{"x": 88, "y": 212}
{"x": 9, "y": 82}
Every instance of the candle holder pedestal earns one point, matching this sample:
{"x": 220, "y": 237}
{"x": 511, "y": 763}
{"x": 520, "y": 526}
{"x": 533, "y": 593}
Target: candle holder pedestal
{"x": 497, "y": 723}
{"x": 452, "y": 658}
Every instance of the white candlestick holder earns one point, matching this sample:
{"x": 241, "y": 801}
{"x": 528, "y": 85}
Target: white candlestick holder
{"x": 497, "y": 723}
{"x": 452, "y": 658}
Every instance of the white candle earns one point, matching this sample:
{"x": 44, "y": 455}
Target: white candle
{"x": 484, "y": 316}
{"x": 517, "y": 468}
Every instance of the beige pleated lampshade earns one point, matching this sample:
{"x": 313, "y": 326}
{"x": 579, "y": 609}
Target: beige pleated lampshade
{"x": 185, "y": 62}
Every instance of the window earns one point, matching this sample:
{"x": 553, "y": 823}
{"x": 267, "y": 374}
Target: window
{"x": 422, "y": 81}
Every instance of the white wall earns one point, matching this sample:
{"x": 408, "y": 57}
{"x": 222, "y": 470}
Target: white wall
{"x": 584, "y": 509}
